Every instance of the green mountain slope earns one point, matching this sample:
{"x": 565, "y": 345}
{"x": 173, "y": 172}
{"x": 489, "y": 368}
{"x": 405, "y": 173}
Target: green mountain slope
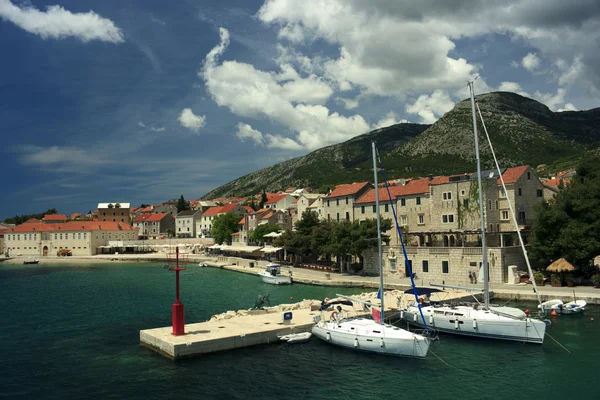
{"x": 522, "y": 130}
{"x": 330, "y": 165}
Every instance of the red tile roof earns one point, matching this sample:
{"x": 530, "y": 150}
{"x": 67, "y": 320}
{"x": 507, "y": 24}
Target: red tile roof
{"x": 275, "y": 198}
{"x": 32, "y": 221}
{"x": 73, "y": 226}
{"x": 156, "y": 217}
{"x": 242, "y": 221}
{"x": 348, "y": 189}
{"x": 556, "y": 181}
{"x": 146, "y": 209}
{"x": 75, "y": 215}
{"x": 142, "y": 217}
{"x": 511, "y": 175}
{"x": 228, "y": 208}
{"x": 418, "y": 186}
{"x": 248, "y": 209}
{"x": 213, "y": 211}
{"x": 235, "y": 234}
{"x": 268, "y": 215}
{"x": 55, "y": 217}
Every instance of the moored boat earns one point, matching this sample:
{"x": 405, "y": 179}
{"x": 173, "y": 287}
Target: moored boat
{"x": 272, "y": 274}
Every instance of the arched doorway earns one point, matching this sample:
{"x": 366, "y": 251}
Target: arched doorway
{"x": 45, "y": 251}
{"x": 452, "y": 241}
{"x": 445, "y": 240}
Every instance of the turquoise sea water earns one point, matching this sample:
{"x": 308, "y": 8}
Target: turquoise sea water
{"x": 72, "y": 332}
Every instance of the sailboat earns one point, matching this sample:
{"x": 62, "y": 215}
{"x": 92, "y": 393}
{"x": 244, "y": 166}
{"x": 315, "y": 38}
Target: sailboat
{"x": 480, "y": 320}
{"x": 364, "y": 334}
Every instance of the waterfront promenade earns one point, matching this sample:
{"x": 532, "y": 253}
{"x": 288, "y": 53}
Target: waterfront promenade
{"x": 315, "y": 277}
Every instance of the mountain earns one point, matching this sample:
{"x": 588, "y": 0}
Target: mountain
{"x": 329, "y": 165}
{"x": 522, "y": 131}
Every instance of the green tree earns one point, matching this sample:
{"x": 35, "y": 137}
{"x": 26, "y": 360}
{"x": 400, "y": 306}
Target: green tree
{"x": 182, "y": 205}
{"x": 263, "y": 199}
{"x": 307, "y": 222}
{"x": 570, "y": 225}
{"x": 19, "y": 219}
{"x": 223, "y": 226}
{"x": 259, "y": 233}
{"x": 324, "y": 189}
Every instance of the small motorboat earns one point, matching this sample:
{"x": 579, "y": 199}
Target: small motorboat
{"x": 32, "y": 261}
{"x": 272, "y": 274}
{"x": 572, "y": 307}
{"x": 296, "y": 337}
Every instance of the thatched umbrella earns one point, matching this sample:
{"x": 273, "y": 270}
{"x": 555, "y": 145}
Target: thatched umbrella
{"x": 560, "y": 265}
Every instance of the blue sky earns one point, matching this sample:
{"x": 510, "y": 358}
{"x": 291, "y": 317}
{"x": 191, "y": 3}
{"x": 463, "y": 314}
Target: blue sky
{"x": 143, "y": 101}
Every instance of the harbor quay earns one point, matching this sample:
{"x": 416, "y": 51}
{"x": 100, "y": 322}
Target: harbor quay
{"x": 237, "y": 329}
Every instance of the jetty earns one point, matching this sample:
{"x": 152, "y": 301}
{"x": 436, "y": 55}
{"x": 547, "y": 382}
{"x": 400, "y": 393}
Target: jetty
{"x": 244, "y": 328}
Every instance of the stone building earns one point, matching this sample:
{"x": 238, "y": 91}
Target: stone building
{"x": 114, "y": 212}
{"x": 185, "y": 223}
{"x": 339, "y": 204}
{"x": 82, "y": 238}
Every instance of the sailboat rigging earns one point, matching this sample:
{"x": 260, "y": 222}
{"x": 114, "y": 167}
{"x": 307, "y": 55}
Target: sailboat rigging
{"x": 372, "y": 335}
{"x": 480, "y": 320}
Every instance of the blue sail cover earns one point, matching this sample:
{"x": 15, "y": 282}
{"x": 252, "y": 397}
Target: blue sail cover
{"x": 420, "y": 291}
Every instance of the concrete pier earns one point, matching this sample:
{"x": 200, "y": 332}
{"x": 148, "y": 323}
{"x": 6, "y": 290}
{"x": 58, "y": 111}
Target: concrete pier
{"x": 234, "y": 330}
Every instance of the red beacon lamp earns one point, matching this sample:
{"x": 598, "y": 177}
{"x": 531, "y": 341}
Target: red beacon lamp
{"x": 176, "y": 264}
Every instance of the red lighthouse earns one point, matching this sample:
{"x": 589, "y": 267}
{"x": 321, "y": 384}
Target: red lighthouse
{"x": 177, "y": 265}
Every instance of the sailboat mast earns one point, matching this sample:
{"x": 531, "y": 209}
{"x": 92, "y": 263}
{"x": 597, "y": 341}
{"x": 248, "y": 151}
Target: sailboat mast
{"x": 486, "y": 293}
{"x": 379, "y": 254}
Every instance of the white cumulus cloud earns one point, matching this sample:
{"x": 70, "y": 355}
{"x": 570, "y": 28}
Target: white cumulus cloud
{"x": 567, "y": 107}
{"x": 245, "y": 131}
{"x": 58, "y": 23}
{"x": 284, "y": 97}
{"x": 189, "y": 120}
{"x": 513, "y": 87}
{"x": 530, "y": 62}
{"x": 431, "y": 107}
{"x": 390, "y": 119}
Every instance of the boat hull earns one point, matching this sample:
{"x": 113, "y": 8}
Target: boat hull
{"x": 482, "y": 325}
{"x": 415, "y": 348}
{"x": 276, "y": 280}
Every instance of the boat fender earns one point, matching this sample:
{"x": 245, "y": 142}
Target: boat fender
{"x": 455, "y": 324}
{"x": 415, "y": 317}
{"x": 474, "y": 324}
{"x": 355, "y": 343}
{"x": 381, "y": 342}
{"x": 402, "y": 314}
{"x": 431, "y": 320}
{"x": 328, "y": 336}
{"x": 333, "y": 316}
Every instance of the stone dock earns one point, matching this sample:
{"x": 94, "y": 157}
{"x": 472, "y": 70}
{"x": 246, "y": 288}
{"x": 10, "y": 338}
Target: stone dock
{"x": 234, "y": 330}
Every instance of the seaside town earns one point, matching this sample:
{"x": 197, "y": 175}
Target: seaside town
{"x": 267, "y": 199}
{"x": 443, "y": 238}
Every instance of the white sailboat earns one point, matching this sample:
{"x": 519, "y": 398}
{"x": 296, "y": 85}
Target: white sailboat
{"x": 481, "y": 320}
{"x": 372, "y": 335}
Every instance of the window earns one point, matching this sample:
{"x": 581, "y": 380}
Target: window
{"x": 84, "y": 235}
{"x": 385, "y": 207}
{"x": 521, "y": 217}
{"x": 61, "y": 236}
{"x": 337, "y": 202}
{"x": 491, "y": 227}
{"x": 421, "y": 219}
{"x": 447, "y": 195}
{"x": 327, "y": 203}
{"x": 425, "y": 266}
{"x": 347, "y": 216}
{"x": 462, "y": 192}
{"x": 528, "y": 175}
{"x": 338, "y": 217}
{"x": 505, "y": 215}
{"x": 444, "y": 267}
{"x": 393, "y": 264}
{"x": 346, "y": 200}
{"x": 448, "y": 219}
{"x": 489, "y": 204}
{"x": 466, "y": 203}
{"x": 362, "y": 209}
{"x": 409, "y": 266}
{"x": 520, "y": 192}
{"x": 540, "y": 193}
{"x": 403, "y": 220}
{"x": 497, "y": 205}
{"x": 418, "y": 201}
{"x": 402, "y": 202}
{"x": 374, "y": 209}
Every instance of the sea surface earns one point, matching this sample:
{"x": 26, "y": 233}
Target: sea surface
{"x": 72, "y": 332}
